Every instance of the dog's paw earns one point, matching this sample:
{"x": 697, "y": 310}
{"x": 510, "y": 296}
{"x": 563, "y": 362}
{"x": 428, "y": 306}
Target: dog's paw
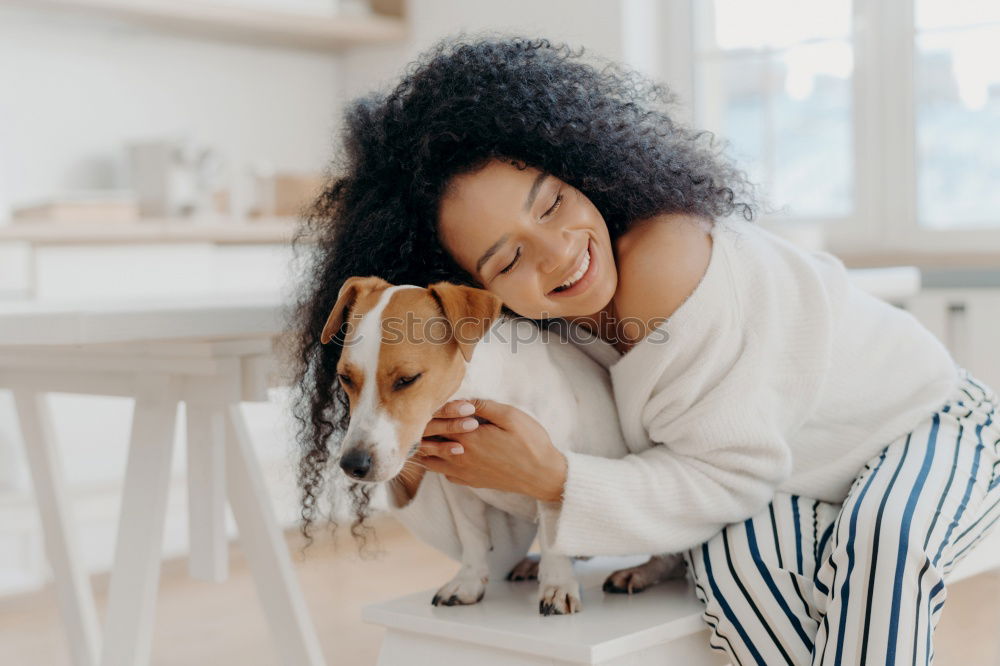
{"x": 630, "y": 581}
{"x": 636, "y": 579}
{"x": 460, "y": 591}
{"x": 559, "y": 599}
{"x": 526, "y": 569}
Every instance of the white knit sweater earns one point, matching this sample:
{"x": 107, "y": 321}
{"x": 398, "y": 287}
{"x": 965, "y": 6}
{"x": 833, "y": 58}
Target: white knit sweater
{"x": 778, "y": 374}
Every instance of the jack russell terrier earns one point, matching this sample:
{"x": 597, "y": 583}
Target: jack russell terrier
{"x": 397, "y": 375}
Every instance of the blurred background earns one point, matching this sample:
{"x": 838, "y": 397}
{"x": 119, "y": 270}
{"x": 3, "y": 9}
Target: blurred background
{"x": 163, "y": 148}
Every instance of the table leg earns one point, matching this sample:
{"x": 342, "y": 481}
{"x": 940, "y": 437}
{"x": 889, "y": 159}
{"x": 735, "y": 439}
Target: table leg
{"x": 76, "y": 600}
{"x": 206, "y": 434}
{"x": 266, "y": 550}
{"x": 128, "y": 633}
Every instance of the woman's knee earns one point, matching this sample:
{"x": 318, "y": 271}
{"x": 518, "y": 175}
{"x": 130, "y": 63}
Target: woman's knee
{"x": 894, "y": 531}
{"x": 753, "y": 604}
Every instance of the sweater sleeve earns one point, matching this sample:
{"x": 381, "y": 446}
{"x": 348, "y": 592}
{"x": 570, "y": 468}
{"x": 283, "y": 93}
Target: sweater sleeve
{"x": 719, "y": 462}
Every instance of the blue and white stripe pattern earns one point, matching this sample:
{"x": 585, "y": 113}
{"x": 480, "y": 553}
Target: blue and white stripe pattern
{"x": 808, "y": 582}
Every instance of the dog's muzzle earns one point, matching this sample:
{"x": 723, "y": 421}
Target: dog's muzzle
{"x": 356, "y": 463}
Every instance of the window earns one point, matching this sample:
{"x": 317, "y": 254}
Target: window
{"x": 780, "y": 93}
{"x": 957, "y": 72}
{"x": 879, "y": 118}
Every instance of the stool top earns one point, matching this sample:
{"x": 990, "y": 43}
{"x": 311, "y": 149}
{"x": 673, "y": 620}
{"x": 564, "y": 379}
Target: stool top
{"x": 610, "y": 625}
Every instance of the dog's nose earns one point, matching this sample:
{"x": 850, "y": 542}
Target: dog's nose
{"x": 357, "y": 463}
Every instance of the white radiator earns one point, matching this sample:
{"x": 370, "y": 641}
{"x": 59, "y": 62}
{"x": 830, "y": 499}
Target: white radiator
{"x": 967, "y": 321}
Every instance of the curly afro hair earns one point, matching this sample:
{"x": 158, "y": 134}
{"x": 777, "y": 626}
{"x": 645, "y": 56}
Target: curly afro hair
{"x": 604, "y": 130}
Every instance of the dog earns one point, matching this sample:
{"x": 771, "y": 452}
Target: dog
{"x": 397, "y": 377}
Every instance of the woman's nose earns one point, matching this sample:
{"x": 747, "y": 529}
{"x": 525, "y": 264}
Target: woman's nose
{"x": 555, "y": 252}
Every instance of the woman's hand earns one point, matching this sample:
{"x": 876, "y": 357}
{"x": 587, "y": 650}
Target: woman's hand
{"x": 510, "y": 452}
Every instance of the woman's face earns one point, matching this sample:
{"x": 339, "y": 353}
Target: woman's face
{"x": 524, "y": 235}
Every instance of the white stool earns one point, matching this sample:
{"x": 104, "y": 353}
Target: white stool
{"x": 662, "y": 625}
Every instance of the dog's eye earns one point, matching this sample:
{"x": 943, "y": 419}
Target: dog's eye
{"x": 344, "y": 379}
{"x": 405, "y": 381}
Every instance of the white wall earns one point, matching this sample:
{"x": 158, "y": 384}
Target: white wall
{"x": 593, "y": 24}
{"x": 75, "y": 89}
{"x": 653, "y": 36}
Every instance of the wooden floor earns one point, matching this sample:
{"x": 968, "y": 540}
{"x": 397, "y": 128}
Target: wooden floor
{"x": 204, "y": 623}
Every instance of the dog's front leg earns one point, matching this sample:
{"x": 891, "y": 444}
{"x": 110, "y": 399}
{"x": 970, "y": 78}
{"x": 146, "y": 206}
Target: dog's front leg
{"x": 558, "y": 590}
{"x": 469, "y": 584}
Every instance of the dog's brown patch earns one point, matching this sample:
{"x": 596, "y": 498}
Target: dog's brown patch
{"x": 425, "y": 332}
{"x": 415, "y": 341}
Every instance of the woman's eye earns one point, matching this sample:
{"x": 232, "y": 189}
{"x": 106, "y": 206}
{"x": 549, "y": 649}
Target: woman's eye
{"x": 509, "y": 266}
{"x": 405, "y": 381}
{"x": 555, "y": 206}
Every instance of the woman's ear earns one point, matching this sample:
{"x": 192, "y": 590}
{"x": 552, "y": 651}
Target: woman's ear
{"x": 352, "y": 288}
{"x": 470, "y": 313}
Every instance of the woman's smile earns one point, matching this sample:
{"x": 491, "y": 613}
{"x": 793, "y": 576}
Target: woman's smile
{"x": 585, "y": 275}
{"x": 535, "y": 241}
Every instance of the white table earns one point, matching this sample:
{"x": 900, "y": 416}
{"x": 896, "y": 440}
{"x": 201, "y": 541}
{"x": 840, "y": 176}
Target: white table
{"x": 211, "y": 352}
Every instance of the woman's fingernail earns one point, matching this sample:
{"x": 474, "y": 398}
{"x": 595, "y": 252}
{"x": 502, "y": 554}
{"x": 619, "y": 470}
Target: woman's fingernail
{"x": 457, "y": 449}
{"x": 470, "y": 424}
{"x": 466, "y": 409}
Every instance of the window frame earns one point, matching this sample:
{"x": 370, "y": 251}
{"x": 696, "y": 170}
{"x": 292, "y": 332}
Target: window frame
{"x": 884, "y": 143}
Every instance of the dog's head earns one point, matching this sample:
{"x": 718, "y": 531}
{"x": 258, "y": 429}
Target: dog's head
{"x": 404, "y": 354}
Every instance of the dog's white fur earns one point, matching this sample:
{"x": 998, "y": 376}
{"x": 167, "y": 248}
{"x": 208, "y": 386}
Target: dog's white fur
{"x": 368, "y": 423}
{"x": 565, "y": 390}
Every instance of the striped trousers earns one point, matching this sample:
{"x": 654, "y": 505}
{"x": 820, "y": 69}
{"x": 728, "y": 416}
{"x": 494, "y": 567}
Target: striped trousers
{"x": 863, "y": 582}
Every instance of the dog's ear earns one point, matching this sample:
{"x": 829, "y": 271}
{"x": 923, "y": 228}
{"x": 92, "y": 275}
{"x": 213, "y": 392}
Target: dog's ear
{"x": 470, "y": 312}
{"x": 348, "y": 295}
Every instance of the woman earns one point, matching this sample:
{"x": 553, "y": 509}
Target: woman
{"x": 815, "y": 453}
